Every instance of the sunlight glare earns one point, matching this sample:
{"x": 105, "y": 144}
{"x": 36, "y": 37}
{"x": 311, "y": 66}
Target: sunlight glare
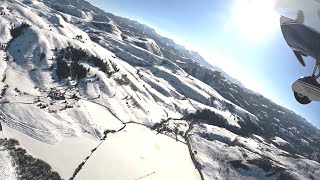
{"x": 255, "y": 19}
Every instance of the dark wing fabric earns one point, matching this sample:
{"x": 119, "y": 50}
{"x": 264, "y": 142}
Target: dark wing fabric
{"x": 303, "y": 39}
{"x": 299, "y": 57}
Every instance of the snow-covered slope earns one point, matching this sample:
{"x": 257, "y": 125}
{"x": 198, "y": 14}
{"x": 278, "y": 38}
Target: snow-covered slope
{"x": 82, "y": 90}
{"x": 6, "y": 166}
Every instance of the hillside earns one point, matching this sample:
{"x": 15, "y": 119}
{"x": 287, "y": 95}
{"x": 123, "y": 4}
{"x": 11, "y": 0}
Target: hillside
{"x": 86, "y": 94}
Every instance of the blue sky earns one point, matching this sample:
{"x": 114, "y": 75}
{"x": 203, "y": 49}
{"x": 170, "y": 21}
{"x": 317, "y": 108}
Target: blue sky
{"x": 244, "y": 39}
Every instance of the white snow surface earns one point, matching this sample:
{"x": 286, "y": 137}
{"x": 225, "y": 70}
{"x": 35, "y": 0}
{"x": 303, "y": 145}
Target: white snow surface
{"x": 136, "y": 152}
{"x": 6, "y": 166}
{"x": 280, "y": 141}
{"x": 221, "y": 147}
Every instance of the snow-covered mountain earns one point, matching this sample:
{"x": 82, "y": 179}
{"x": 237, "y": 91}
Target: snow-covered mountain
{"x": 86, "y": 94}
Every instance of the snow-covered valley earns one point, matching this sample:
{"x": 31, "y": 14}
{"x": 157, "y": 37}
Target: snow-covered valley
{"x": 89, "y": 95}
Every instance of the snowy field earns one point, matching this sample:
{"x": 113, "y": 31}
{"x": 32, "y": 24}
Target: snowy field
{"x": 136, "y": 152}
